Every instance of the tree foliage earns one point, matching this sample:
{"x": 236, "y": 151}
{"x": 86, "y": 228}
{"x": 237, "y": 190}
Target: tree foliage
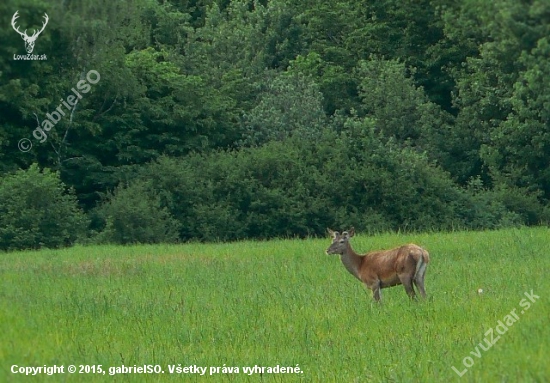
{"x": 134, "y": 214}
{"x": 435, "y": 113}
{"x": 37, "y": 211}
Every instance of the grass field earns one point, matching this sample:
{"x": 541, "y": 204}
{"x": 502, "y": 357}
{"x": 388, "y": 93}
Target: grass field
{"x": 280, "y": 303}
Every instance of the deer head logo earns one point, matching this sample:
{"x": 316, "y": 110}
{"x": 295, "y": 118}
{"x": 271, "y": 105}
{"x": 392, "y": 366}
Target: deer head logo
{"x": 29, "y": 40}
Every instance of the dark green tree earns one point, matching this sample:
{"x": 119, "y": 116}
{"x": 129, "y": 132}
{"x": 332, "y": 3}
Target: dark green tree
{"x": 38, "y": 211}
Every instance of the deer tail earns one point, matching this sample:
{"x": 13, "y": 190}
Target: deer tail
{"x": 421, "y": 264}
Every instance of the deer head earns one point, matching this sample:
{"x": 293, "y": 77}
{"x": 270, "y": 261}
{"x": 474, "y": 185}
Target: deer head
{"x": 339, "y": 241}
{"x": 29, "y": 40}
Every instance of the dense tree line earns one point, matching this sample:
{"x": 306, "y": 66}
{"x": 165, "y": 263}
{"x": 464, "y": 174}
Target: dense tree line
{"x": 222, "y": 120}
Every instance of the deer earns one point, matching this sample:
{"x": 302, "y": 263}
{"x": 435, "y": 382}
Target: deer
{"x": 403, "y": 265}
{"x": 29, "y": 40}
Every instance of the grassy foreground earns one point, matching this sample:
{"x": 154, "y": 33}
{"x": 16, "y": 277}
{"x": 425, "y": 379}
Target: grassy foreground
{"x": 280, "y": 303}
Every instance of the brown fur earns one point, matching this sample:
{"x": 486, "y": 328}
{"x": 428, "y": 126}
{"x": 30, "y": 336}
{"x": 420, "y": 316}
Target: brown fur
{"x": 383, "y": 268}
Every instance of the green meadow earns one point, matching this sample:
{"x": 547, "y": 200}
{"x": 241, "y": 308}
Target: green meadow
{"x": 278, "y": 303}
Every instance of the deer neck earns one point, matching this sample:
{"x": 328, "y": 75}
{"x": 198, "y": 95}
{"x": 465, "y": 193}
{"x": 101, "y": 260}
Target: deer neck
{"x": 352, "y": 261}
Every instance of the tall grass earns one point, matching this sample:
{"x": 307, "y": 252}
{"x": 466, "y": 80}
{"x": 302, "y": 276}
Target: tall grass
{"x": 277, "y": 303}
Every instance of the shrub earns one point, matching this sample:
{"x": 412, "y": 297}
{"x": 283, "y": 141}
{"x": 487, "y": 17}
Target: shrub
{"x": 133, "y": 214}
{"x": 38, "y": 211}
{"x": 350, "y": 175}
{"x": 298, "y": 187}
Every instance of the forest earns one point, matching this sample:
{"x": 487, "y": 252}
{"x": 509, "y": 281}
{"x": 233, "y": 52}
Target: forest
{"x": 156, "y": 121}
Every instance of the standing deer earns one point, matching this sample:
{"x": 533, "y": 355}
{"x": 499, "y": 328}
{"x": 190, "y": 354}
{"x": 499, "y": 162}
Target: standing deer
{"x": 384, "y": 268}
{"x": 29, "y": 40}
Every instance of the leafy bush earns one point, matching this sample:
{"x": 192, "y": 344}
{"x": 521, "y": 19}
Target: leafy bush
{"x": 298, "y": 187}
{"x": 350, "y": 175}
{"x": 134, "y": 214}
{"x": 37, "y": 211}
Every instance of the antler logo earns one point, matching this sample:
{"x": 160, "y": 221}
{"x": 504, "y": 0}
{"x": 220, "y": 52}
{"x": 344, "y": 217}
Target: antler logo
{"x": 29, "y": 40}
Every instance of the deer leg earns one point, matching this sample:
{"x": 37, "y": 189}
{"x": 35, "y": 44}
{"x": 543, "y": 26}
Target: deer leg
{"x": 407, "y": 282}
{"x": 375, "y": 287}
{"x": 420, "y": 286}
{"x": 419, "y": 282}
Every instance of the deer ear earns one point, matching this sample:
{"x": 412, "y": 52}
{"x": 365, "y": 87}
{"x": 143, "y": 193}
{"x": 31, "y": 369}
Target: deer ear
{"x": 352, "y": 232}
{"x": 332, "y": 233}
